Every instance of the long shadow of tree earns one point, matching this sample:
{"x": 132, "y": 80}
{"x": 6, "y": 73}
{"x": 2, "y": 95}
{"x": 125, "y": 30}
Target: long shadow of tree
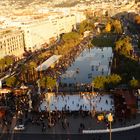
{"x": 126, "y": 67}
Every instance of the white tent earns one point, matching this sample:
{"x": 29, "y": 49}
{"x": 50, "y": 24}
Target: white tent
{"x": 23, "y": 87}
{"x": 49, "y": 62}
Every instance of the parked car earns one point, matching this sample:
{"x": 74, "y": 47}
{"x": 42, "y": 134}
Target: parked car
{"x": 19, "y": 127}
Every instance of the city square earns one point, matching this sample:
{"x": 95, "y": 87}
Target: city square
{"x": 69, "y": 70}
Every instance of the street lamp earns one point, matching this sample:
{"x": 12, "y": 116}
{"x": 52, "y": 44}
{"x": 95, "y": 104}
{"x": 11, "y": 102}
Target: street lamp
{"x": 92, "y": 87}
{"x": 48, "y": 99}
{"x": 57, "y": 85}
{"x": 38, "y": 84}
{"x": 91, "y": 94}
{"x": 110, "y": 119}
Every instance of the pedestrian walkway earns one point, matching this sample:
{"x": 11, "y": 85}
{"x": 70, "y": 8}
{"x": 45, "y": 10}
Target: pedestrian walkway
{"x": 74, "y": 125}
{"x": 3, "y": 130}
{"x": 11, "y": 131}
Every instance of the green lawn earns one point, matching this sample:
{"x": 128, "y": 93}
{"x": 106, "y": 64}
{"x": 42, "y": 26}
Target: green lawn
{"x": 104, "y": 40}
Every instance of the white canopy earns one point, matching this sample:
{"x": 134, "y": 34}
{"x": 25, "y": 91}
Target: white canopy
{"x": 23, "y": 87}
{"x": 45, "y": 65}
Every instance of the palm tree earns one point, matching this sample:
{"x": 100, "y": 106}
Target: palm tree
{"x": 2, "y": 65}
{"x": 32, "y": 72}
{"x": 48, "y": 82}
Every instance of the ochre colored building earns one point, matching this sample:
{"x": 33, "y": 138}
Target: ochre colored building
{"x": 11, "y": 42}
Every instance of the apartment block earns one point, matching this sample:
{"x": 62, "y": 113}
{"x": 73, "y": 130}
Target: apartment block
{"x": 11, "y": 42}
{"x": 38, "y": 32}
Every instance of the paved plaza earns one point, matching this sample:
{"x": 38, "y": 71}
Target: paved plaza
{"x": 88, "y": 65}
{"x": 72, "y": 133}
{"x": 85, "y": 102}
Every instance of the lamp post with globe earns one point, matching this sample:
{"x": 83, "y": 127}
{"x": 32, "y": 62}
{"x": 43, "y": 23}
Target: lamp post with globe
{"x": 110, "y": 119}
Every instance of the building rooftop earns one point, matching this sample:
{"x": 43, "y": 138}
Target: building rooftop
{"x": 8, "y": 30}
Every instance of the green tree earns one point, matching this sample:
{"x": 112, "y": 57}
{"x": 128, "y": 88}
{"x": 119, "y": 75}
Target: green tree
{"x": 11, "y": 81}
{"x": 99, "y": 82}
{"x": 28, "y": 73}
{"x": 137, "y": 19}
{"x": 48, "y": 82}
{"x": 124, "y": 46}
{"x": 86, "y": 25}
{"x": 32, "y": 73}
{"x": 51, "y": 83}
{"x": 134, "y": 83}
{"x": 2, "y": 65}
{"x": 70, "y": 36}
{"x": 23, "y": 73}
{"x": 117, "y": 26}
{"x": 102, "y": 82}
{"x": 68, "y": 41}
{"x": 6, "y": 62}
{"x": 9, "y": 60}
{"x": 32, "y": 64}
{"x": 118, "y": 45}
{"x": 82, "y": 27}
{"x": 43, "y": 82}
{"x": 113, "y": 80}
{"x": 108, "y": 27}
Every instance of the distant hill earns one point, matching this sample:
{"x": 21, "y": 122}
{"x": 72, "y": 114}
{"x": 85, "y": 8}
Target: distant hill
{"x": 56, "y": 3}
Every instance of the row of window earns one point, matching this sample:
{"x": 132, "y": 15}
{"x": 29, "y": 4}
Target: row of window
{"x": 10, "y": 42}
{"x": 11, "y": 38}
{"x": 12, "y": 47}
{"x": 10, "y": 51}
{"x": 14, "y": 38}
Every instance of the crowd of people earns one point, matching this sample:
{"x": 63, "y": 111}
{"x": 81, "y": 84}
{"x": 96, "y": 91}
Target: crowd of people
{"x": 13, "y": 104}
{"x": 122, "y": 111}
{"x": 49, "y": 118}
{"x": 86, "y": 102}
{"x": 66, "y": 61}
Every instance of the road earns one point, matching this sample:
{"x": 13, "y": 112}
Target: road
{"x": 126, "y": 135}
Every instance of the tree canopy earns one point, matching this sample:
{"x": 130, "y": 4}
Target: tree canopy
{"x": 70, "y": 36}
{"x": 9, "y": 60}
{"x": 86, "y": 25}
{"x": 6, "y": 62}
{"x": 117, "y": 26}
{"x": 114, "y": 26}
{"x": 108, "y": 27}
{"x": 106, "y": 82}
{"x": 134, "y": 83}
{"x": 124, "y": 46}
{"x": 48, "y": 82}
{"x": 137, "y": 19}
{"x": 99, "y": 82}
{"x": 11, "y": 81}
